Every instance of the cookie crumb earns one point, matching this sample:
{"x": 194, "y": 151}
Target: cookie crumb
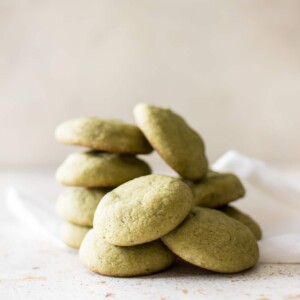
{"x": 108, "y": 295}
{"x": 102, "y": 281}
{"x": 185, "y": 291}
{"x": 31, "y": 277}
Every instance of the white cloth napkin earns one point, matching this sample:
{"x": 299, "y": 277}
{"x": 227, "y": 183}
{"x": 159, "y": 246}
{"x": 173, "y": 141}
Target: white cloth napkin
{"x": 272, "y": 200}
{"x": 37, "y": 215}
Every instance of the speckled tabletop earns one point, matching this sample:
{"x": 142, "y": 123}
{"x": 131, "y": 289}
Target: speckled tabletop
{"x": 32, "y": 267}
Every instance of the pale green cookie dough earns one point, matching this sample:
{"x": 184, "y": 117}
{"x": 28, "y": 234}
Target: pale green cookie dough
{"x": 142, "y": 210}
{"x": 77, "y": 205}
{"x": 100, "y": 169}
{"x": 211, "y": 240}
{"x": 243, "y": 218}
{"x": 178, "y": 144}
{"x": 217, "y": 189}
{"x": 104, "y": 258}
{"x": 72, "y": 235}
{"x": 105, "y": 135}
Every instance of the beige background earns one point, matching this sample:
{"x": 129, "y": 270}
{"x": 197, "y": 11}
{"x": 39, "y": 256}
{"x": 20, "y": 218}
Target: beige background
{"x": 232, "y": 68}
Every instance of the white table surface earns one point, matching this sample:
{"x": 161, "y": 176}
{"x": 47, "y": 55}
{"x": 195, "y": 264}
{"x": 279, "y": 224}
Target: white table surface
{"x": 32, "y": 267}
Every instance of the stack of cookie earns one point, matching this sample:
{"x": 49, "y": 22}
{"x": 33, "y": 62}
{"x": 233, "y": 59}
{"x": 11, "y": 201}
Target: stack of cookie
{"x": 141, "y": 226}
{"x": 110, "y": 161}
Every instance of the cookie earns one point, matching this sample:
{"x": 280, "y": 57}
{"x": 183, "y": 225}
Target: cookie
{"x": 211, "y": 240}
{"x": 77, "y": 205}
{"x": 105, "y": 135}
{"x": 101, "y": 257}
{"x": 243, "y": 218}
{"x": 142, "y": 210}
{"x": 100, "y": 169}
{"x": 217, "y": 189}
{"x": 72, "y": 234}
{"x": 178, "y": 144}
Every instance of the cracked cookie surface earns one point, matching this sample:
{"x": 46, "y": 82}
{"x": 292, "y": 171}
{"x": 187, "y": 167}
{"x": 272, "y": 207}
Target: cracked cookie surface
{"x": 217, "y": 189}
{"x": 175, "y": 141}
{"x": 103, "y": 134}
{"x": 104, "y": 258}
{"x": 142, "y": 210}
{"x": 100, "y": 169}
{"x": 211, "y": 240}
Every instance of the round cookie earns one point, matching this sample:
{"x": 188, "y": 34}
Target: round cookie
{"x": 105, "y": 135}
{"x": 104, "y": 258}
{"x": 142, "y": 210}
{"x": 72, "y": 234}
{"x": 243, "y": 218}
{"x": 178, "y": 144}
{"x": 77, "y": 205}
{"x": 211, "y": 240}
{"x": 217, "y": 189}
{"x": 100, "y": 169}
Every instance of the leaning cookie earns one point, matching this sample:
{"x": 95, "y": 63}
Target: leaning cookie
{"x": 100, "y": 169}
{"x": 105, "y": 135}
{"x": 142, "y": 210}
{"x": 77, "y": 205}
{"x": 243, "y": 218}
{"x": 101, "y": 257}
{"x": 217, "y": 189}
{"x": 72, "y": 235}
{"x": 178, "y": 144}
{"x": 211, "y": 240}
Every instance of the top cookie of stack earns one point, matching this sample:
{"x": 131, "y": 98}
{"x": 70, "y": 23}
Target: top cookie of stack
{"x": 109, "y": 162}
{"x": 104, "y": 135}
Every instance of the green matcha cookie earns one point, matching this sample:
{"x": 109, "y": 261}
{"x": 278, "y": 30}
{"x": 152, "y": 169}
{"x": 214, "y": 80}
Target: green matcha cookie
{"x": 178, "y": 144}
{"x": 243, "y": 218}
{"x": 100, "y": 169}
{"x": 72, "y": 234}
{"x": 142, "y": 210}
{"x": 217, "y": 189}
{"x": 105, "y": 135}
{"x": 211, "y": 240}
{"x": 104, "y": 258}
{"x": 78, "y": 205}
